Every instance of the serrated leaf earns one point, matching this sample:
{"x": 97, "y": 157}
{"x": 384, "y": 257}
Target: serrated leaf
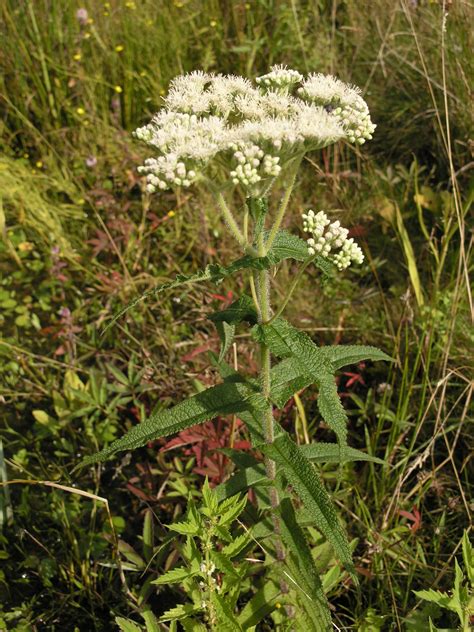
{"x": 126, "y": 625}
{"x": 223, "y": 563}
{"x": 237, "y": 545}
{"x": 331, "y": 408}
{"x": 314, "y": 600}
{"x": 243, "y": 309}
{"x": 213, "y": 272}
{"x": 242, "y": 480}
{"x": 151, "y": 622}
{"x": 260, "y": 606}
{"x": 185, "y": 528}
{"x": 233, "y": 512}
{"x": 226, "y": 335}
{"x": 331, "y": 453}
{"x": 342, "y": 355}
{"x": 468, "y": 557}
{"x": 231, "y": 397}
{"x": 226, "y": 620}
{"x": 179, "y": 612}
{"x": 305, "y": 481}
{"x": 174, "y": 576}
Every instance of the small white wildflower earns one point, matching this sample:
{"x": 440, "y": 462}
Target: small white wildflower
{"x": 327, "y": 237}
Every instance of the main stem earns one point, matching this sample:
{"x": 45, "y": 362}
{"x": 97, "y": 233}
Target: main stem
{"x": 263, "y": 294}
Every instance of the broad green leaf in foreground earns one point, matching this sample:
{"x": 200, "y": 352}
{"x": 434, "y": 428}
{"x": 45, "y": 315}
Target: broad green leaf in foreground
{"x": 231, "y": 397}
{"x": 303, "y": 477}
{"x": 309, "y": 587}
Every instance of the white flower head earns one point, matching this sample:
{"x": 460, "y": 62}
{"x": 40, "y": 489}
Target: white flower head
{"x": 330, "y": 240}
{"x": 212, "y": 125}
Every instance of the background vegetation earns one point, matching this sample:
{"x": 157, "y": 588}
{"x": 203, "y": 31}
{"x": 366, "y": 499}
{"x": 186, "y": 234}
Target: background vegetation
{"x": 79, "y": 237}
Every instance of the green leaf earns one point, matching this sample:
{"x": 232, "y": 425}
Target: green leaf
{"x": 126, "y": 625}
{"x": 289, "y": 246}
{"x": 260, "y": 606}
{"x": 258, "y": 208}
{"x": 213, "y": 272}
{"x": 468, "y": 557}
{"x": 342, "y": 355}
{"x": 179, "y": 612}
{"x": 237, "y": 545}
{"x": 331, "y": 408}
{"x": 226, "y": 334}
{"x": 226, "y": 621}
{"x": 305, "y": 481}
{"x": 241, "y": 481}
{"x": 185, "y": 528}
{"x": 313, "y": 598}
{"x": 243, "y": 309}
{"x": 174, "y": 576}
{"x": 233, "y": 512}
{"x": 148, "y": 535}
{"x": 231, "y": 397}
{"x": 331, "y": 453}
{"x": 151, "y": 621}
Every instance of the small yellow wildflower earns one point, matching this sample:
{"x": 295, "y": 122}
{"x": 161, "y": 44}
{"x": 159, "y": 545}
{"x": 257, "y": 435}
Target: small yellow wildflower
{"x": 213, "y": 23}
{"x": 143, "y": 73}
{"x": 171, "y": 214}
{"x": 87, "y": 35}
{"x": 119, "y": 48}
{"x": 80, "y": 111}
{"x": 130, "y": 5}
{"x": 39, "y": 164}
{"x": 118, "y": 89}
{"x": 248, "y": 5}
{"x": 26, "y": 155}
{"x": 81, "y": 202}
{"x": 25, "y": 246}
{"x": 90, "y": 21}
{"x": 106, "y": 5}
{"x": 77, "y": 57}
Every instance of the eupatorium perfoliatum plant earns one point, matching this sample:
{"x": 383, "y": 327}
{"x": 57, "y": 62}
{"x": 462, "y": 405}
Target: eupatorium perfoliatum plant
{"x": 223, "y": 132}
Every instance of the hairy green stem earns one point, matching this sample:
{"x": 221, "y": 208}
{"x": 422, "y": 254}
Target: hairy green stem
{"x": 230, "y": 220}
{"x": 263, "y": 290}
{"x": 281, "y": 210}
{"x": 289, "y": 294}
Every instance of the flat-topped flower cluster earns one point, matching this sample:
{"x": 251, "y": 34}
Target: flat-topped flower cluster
{"x": 223, "y": 130}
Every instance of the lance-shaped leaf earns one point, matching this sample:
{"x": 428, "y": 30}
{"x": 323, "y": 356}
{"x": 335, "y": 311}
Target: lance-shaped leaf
{"x": 226, "y": 334}
{"x": 309, "y": 586}
{"x": 342, "y": 355}
{"x": 301, "y": 474}
{"x": 232, "y": 397}
{"x": 331, "y": 453}
{"x": 241, "y": 310}
{"x": 287, "y": 342}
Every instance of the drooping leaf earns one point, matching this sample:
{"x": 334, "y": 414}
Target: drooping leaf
{"x": 342, "y": 355}
{"x": 311, "y": 591}
{"x": 303, "y": 477}
{"x": 213, "y": 272}
{"x": 226, "y": 334}
{"x": 243, "y": 309}
{"x": 331, "y": 453}
{"x": 231, "y": 397}
{"x": 331, "y": 408}
{"x": 260, "y": 606}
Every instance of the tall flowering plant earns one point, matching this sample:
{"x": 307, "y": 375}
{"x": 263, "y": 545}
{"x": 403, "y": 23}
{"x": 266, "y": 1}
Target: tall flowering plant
{"x": 224, "y": 132}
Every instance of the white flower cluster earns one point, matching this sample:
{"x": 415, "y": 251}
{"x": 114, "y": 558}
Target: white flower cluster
{"x": 280, "y": 77}
{"x": 222, "y": 124}
{"x": 344, "y": 102}
{"x": 328, "y": 237}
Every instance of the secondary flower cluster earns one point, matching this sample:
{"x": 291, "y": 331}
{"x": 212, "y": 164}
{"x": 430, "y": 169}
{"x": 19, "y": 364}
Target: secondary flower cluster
{"x": 222, "y": 129}
{"x": 330, "y": 240}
